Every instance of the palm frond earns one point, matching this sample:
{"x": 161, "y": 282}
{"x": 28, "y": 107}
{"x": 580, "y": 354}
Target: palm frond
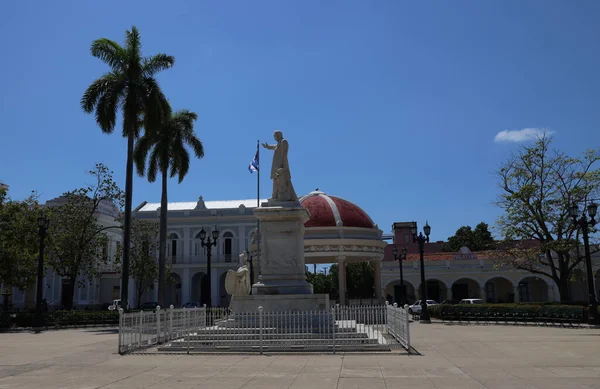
{"x": 156, "y": 63}
{"x": 133, "y": 45}
{"x": 98, "y": 88}
{"x": 109, "y": 52}
{"x": 140, "y": 153}
{"x": 153, "y": 165}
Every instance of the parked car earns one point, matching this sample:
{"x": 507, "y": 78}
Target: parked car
{"x": 149, "y": 305}
{"x": 416, "y": 307}
{"x": 192, "y": 305}
{"x": 450, "y": 302}
{"x": 116, "y": 304}
{"x": 471, "y": 301}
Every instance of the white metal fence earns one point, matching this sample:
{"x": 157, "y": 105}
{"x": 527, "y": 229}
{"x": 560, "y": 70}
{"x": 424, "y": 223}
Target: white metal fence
{"x": 342, "y": 328}
{"x": 139, "y": 330}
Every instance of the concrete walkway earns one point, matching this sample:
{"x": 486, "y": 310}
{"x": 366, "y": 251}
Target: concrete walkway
{"x": 452, "y": 357}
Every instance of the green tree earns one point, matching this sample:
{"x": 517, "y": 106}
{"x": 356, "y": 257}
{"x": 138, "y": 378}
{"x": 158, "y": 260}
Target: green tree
{"x": 76, "y": 241}
{"x": 164, "y": 146}
{"x": 538, "y": 185}
{"x": 130, "y": 86}
{"x": 19, "y": 242}
{"x": 143, "y": 267}
{"x": 478, "y": 239}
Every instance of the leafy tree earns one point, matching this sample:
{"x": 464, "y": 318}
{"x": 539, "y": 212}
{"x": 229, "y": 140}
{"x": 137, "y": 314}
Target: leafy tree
{"x": 538, "y": 185}
{"x": 143, "y": 267}
{"x": 322, "y": 283}
{"x": 76, "y": 240}
{"x": 164, "y": 146}
{"x": 130, "y": 86}
{"x": 478, "y": 239}
{"x": 19, "y": 242}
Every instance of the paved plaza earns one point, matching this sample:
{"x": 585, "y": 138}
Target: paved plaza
{"x": 451, "y": 357}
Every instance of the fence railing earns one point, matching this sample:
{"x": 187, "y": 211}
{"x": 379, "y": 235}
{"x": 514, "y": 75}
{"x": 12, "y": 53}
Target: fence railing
{"x": 341, "y": 328}
{"x": 139, "y": 330}
{"x": 397, "y": 324}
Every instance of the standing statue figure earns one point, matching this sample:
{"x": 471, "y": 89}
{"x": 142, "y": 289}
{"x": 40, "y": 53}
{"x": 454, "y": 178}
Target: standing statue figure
{"x": 283, "y": 190}
{"x": 237, "y": 283}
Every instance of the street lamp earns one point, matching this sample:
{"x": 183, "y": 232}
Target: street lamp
{"x": 43, "y": 225}
{"x": 208, "y": 243}
{"x": 422, "y": 239}
{"x": 584, "y": 225}
{"x": 400, "y": 258}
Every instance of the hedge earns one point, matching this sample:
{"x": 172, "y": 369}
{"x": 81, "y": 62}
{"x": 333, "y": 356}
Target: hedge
{"x": 527, "y": 312}
{"x": 57, "y": 319}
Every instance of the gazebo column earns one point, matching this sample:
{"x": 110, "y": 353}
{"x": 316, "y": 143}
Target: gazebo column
{"x": 342, "y": 279}
{"x": 377, "y": 276}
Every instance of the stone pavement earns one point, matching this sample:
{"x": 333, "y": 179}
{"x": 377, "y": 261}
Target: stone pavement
{"x": 451, "y": 357}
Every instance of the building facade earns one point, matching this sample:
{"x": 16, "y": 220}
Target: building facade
{"x": 338, "y": 231}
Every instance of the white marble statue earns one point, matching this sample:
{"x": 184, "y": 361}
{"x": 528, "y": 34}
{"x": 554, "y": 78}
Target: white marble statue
{"x": 283, "y": 190}
{"x": 237, "y": 283}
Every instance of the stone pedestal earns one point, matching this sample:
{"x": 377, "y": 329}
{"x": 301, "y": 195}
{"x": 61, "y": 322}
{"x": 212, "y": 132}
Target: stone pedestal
{"x": 280, "y": 303}
{"x": 282, "y": 256}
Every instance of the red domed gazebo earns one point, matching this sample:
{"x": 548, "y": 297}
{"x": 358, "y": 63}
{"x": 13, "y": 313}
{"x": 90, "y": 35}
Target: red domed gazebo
{"x": 339, "y": 231}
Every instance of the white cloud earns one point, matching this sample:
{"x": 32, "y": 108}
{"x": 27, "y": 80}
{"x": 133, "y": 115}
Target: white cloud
{"x": 521, "y": 135}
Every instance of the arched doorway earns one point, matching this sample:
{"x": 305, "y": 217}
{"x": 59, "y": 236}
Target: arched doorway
{"x": 199, "y": 288}
{"x": 499, "y": 290}
{"x": 533, "y": 289}
{"x": 393, "y": 292}
{"x": 224, "y": 298}
{"x": 465, "y": 288}
{"x": 436, "y": 290}
{"x": 173, "y": 290}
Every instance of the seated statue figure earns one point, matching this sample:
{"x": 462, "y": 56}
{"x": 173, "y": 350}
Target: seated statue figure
{"x": 237, "y": 283}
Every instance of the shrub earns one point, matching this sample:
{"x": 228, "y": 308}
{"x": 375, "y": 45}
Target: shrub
{"x": 59, "y": 319}
{"x": 512, "y": 312}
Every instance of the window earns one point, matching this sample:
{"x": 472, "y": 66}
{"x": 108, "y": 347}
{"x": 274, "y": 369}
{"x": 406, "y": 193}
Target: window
{"x": 228, "y": 246}
{"x": 197, "y": 246}
{"x": 172, "y": 249}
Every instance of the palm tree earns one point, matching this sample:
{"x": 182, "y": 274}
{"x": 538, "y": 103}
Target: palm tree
{"x": 165, "y": 148}
{"x": 129, "y": 85}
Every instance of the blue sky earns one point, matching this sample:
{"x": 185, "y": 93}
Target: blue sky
{"x": 394, "y": 105}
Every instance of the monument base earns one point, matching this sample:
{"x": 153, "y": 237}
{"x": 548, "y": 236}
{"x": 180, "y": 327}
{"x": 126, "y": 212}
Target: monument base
{"x": 280, "y": 303}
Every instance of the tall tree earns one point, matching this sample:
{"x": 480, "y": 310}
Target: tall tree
{"x": 131, "y": 86}
{"x": 477, "y": 239}
{"x": 19, "y": 241}
{"x": 142, "y": 266}
{"x": 538, "y": 185}
{"x": 164, "y": 146}
{"x": 76, "y": 240}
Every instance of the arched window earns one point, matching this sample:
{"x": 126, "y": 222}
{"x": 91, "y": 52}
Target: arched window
{"x": 198, "y": 249}
{"x": 173, "y": 247}
{"x": 228, "y": 246}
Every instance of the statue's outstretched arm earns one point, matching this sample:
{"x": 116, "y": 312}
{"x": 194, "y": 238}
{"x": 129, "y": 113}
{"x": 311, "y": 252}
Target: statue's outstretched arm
{"x": 268, "y": 146}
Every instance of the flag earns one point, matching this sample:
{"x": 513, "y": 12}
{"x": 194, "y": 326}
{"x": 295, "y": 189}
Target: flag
{"x": 253, "y": 167}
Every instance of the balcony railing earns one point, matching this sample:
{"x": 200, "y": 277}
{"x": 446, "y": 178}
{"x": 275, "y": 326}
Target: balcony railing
{"x": 197, "y": 259}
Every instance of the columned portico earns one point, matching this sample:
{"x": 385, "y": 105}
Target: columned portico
{"x": 186, "y": 288}
{"x": 341, "y": 261}
{"x": 377, "y": 276}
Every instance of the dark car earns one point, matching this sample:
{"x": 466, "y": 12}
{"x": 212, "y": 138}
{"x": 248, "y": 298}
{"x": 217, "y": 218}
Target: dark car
{"x": 149, "y": 305}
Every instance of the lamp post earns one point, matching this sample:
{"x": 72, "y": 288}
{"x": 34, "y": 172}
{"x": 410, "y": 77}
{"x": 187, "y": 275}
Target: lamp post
{"x": 422, "y": 239}
{"x": 208, "y": 243}
{"x": 43, "y": 225}
{"x": 584, "y": 225}
{"x": 400, "y": 258}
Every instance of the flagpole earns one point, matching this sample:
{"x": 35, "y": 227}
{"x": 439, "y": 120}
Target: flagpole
{"x": 257, "y": 206}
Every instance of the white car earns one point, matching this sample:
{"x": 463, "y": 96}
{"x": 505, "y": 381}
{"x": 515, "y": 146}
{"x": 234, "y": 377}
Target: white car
{"x": 416, "y": 307}
{"x": 471, "y": 301}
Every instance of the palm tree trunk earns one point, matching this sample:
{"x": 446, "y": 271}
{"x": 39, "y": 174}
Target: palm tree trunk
{"x": 162, "y": 245}
{"x": 127, "y": 223}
